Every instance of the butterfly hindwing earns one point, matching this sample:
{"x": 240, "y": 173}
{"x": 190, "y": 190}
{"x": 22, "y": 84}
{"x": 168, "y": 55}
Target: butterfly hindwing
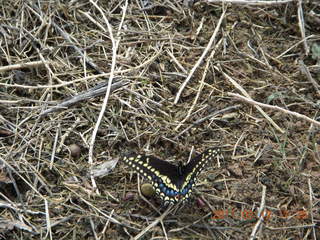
{"x": 162, "y": 174}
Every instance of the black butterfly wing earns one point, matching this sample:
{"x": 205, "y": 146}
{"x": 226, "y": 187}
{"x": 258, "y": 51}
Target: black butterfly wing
{"x": 170, "y": 182}
{"x": 193, "y": 169}
{"x": 163, "y": 175}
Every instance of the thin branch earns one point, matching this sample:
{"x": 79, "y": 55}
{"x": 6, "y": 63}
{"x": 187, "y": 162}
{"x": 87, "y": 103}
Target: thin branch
{"x": 129, "y": 70}
{"x": 201, "y": 85}
{"x": 311, "y": 208}
{"x": 305, "y": 70}
{"x": 96, "y": 91}
{"x": 302, "y": 28}
{"x": 77, "y": 49}
{"x": 212, "y": 39}
{"x": 297, "y": 115}
{"x": 252, "y": 2}
{"x": 212, "y": 115}
{"x": 261, "y": 214}
{"x": 24, "y": 65}
{"x": 244, "y": 92}
{"x": 154, "y": 223}
{"x": 115, "y": 44}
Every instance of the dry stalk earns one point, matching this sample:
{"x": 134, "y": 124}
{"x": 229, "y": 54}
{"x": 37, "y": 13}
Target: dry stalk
{"x": 24, "y": 65}
{"x": 261, "y": 214}
{"x": 115, "y": 44}
{"x": 154, "y": 223}
{"x": 200, "y": 60}
{"x": 252, "y": 2}
{"x": 244, "y": 92}
{"x": 302, "y": 27}
{"x": 295, "y": 114}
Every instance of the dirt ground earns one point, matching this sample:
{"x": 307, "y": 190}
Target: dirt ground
{"x": 85, "y": 82}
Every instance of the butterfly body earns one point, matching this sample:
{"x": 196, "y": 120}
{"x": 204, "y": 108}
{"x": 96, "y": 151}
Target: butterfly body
{"x": 172, "y": 183}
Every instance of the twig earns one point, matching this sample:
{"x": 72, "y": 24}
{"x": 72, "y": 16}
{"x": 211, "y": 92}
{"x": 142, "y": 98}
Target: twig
{"x": 294, "y": 45}
{"x": 53, "y": 154}
{"x": 302, "y": 28}
{"x": 24, "y": 65}
{"x": 311, "y": 207}
{"x": 252, "y": 2}
{"x": 305, "y": 70}
{"x": 96, "y": 91}
{"x": 261, "y": 214}
{"x": 115, "y": 44}
{"x": 154, "y": 223}
{"x": 228, "y": 109}
{"x": 2, "y": 161}
{"x": 244, "y": 92}
{"x": 67, "y": 133}
{"x": 132, "y": 69}
{"x": 292, "y": 227}
{"x": 48, "y": 221}
{"x": 211, "y": 41}
{"x": 201, "y": 85}
{"x": 251, "y": 101}
{"x": 114, "y": 218}
{"x": 78, "y": 50}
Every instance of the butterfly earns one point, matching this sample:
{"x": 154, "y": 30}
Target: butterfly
{"x": 172, "y": 183}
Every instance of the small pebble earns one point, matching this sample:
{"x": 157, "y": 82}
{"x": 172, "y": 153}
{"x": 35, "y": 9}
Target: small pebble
{"x": 147, "y": 190}
{"x": 75, "y": 150}
{"x": 200, "y": 203}
{"x": 129, "y": 196}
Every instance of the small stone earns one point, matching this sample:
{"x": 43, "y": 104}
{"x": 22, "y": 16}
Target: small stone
{"x": 75, "y": 150}
{"x": 5, "y": 133}
{"x": 200, "y": 203}
{"x": 129, "y": 196}
{"x": 147, "y": 190}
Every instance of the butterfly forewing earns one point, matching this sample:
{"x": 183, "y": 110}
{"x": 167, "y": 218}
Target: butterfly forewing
{"x": 150, "y": 166}
{"x": 196, "y": 165}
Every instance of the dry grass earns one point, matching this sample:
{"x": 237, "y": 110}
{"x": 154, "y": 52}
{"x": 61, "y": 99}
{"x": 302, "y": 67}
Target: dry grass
{"x": 166, "y": 78}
